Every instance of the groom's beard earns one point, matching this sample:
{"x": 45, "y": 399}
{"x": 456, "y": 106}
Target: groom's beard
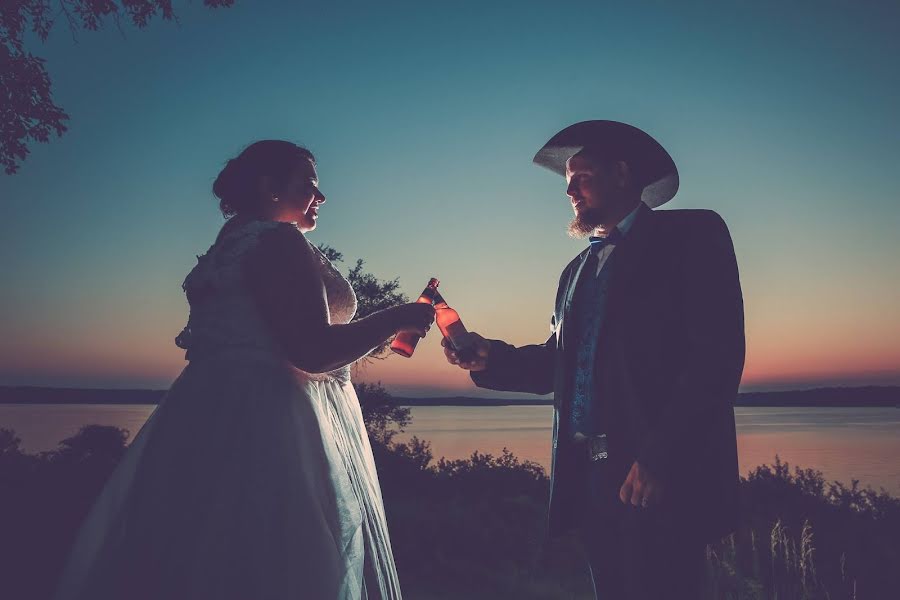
{"x": 584, "y": 223}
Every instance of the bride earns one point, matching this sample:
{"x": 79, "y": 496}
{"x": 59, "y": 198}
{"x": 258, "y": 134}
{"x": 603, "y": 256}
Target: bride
{"x": 254, "y": 477}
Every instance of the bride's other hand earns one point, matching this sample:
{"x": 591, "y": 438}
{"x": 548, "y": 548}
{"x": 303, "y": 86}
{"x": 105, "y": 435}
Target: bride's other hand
{"x": 476, "y": 356}
{"x": 415, "y": 317}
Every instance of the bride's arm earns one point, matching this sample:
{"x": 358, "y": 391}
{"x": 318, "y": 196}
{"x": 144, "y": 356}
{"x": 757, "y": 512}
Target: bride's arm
{"x": 283, "y": 275}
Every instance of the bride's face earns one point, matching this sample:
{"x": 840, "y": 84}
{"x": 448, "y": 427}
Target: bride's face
{"x": 300, "y": 198}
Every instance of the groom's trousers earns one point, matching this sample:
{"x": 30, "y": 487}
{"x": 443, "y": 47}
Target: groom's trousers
{"x": 635, "y": 553}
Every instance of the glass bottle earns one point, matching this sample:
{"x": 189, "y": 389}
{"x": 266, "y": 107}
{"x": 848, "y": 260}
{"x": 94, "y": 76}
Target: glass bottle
{"x": 405, "y": 342}
{"x": 452, "y": 327}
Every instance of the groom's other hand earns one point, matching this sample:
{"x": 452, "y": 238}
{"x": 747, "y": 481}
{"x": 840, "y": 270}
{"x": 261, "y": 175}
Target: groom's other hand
{"x": 476, "y": 355}
{"x": 641, "y": 488}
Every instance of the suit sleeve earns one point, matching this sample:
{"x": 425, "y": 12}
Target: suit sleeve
{"x": 527, "y": 368}
{"x": 713, "y": 358}
{"x": 523, "y": 369}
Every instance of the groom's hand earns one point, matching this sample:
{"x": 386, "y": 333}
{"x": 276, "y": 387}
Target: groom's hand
{"x": 476, "y": 355}
{"x": 641, "y": 488}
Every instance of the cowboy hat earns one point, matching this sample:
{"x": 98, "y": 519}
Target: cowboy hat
{"x": 654, "y": 168}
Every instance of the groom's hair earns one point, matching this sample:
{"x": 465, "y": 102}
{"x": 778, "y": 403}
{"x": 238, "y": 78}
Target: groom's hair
{"x": 236, "y": 185}
{"x": 583, "y": 224}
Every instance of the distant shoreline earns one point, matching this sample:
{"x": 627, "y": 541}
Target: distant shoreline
{"x": 864, "y": 396}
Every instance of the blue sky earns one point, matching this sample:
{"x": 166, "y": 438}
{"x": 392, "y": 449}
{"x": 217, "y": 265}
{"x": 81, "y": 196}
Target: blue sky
{"x": 424, "y": 117}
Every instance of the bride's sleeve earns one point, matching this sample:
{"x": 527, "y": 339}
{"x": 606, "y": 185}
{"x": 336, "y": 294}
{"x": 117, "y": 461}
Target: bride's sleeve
{"x": 284, "y": 279}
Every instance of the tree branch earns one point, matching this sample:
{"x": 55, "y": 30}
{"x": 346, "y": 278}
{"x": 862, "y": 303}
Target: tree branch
{"x": 69, "y": 19}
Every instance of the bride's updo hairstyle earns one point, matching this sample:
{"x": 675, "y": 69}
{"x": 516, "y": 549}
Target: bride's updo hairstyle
{"x": 237, "y": 186}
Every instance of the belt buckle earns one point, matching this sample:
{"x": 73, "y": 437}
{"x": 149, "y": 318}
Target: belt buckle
{"x": 597, "y": 447}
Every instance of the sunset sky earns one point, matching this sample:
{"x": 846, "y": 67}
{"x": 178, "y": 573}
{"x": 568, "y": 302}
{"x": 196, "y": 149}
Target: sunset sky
{"x": 782, "y": 117}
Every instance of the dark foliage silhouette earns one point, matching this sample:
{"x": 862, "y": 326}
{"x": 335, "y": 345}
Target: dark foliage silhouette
{"x": 384, "y": 419}
{"x": 474, "y": 527}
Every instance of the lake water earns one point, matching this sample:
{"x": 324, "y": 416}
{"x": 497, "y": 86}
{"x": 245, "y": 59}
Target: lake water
{"x": 843, "y": 443}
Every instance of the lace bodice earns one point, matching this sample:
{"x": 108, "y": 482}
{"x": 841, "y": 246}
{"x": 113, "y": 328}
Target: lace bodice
{"x": 224, "y": 316}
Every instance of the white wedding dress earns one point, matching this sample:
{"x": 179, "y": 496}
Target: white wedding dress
{"x": 252, "y": 480}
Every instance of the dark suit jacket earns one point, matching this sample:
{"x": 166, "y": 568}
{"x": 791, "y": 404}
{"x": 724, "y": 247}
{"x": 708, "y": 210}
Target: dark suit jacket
{"x": 669, "y": 360}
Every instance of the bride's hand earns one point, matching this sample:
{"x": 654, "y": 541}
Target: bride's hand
{"x": 415, "y": 317}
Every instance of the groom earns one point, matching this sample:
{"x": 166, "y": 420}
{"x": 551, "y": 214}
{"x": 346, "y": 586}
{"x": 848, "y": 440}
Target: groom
{"x": 644, "y": 359}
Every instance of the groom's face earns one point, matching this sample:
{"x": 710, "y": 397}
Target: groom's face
{"x": 592, "y": 190}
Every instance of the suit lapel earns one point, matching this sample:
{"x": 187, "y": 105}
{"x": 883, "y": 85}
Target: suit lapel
{"x": 574, "y": 274}
{"x": 630, "y": 256}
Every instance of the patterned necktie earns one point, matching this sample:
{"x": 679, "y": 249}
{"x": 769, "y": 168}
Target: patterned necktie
{"x": 587, "y": 313}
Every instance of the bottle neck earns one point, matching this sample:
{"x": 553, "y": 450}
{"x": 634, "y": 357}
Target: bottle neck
{"x": 439, "y": 301}
{"x": 428, "y": 295}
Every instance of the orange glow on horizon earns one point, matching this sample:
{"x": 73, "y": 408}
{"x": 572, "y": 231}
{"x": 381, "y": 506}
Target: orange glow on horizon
{"x": 145, "y": 354}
